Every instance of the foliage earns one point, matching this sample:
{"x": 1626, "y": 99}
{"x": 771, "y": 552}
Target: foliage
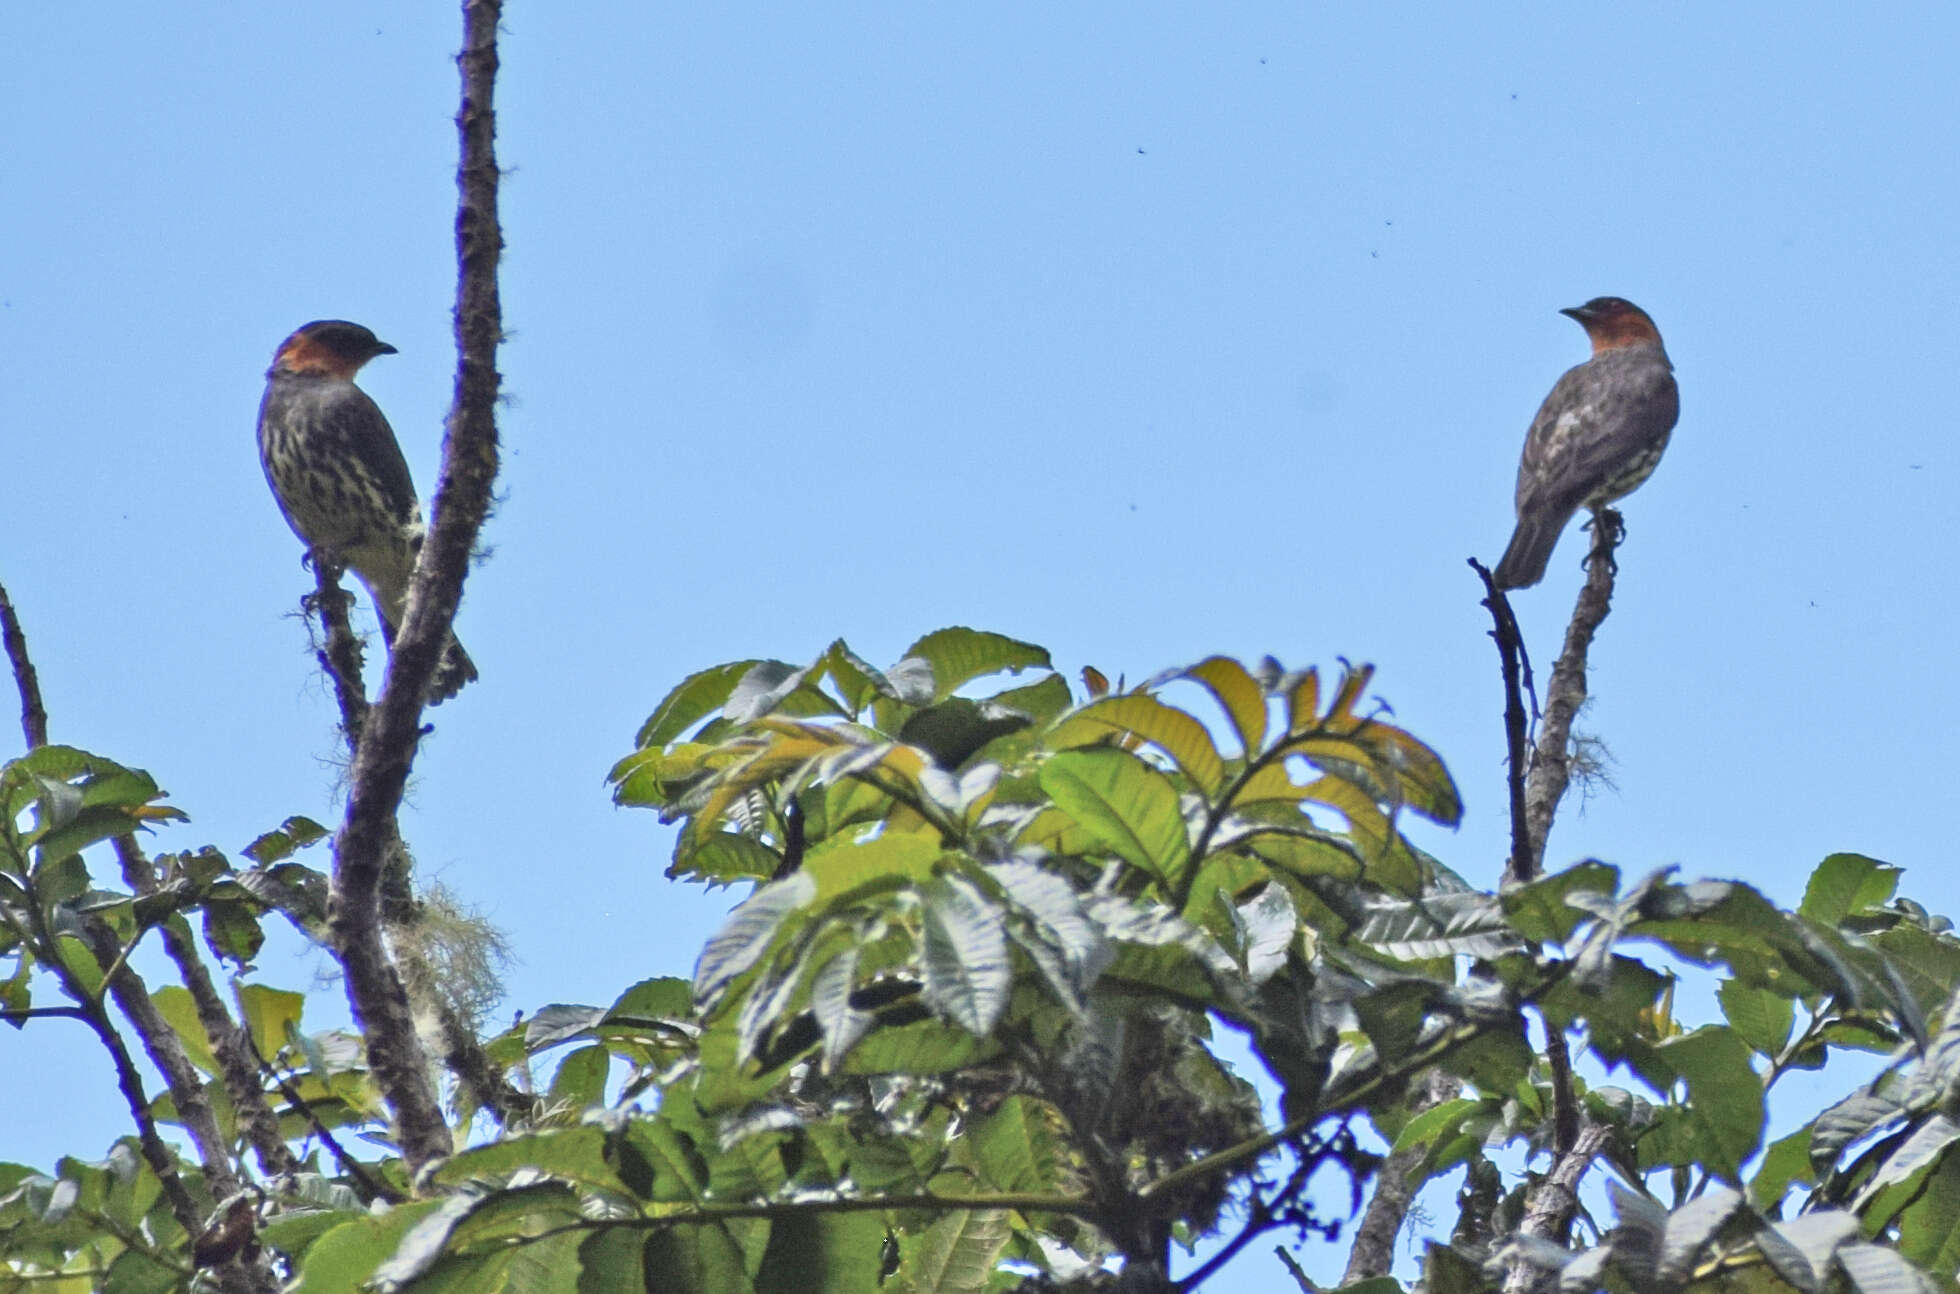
{"x": 961, "y": 1032}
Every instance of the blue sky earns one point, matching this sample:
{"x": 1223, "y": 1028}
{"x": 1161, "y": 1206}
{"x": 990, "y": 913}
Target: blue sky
{"x": 1141, "y": 332}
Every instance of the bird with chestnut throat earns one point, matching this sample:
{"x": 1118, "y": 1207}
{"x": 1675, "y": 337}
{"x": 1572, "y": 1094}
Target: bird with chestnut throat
{"x": 339, "y": 477}
{"x": 1597, "y": 437}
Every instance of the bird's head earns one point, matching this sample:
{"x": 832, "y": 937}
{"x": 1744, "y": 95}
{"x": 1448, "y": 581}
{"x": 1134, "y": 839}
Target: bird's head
{"x": 330, "y": 346}
{"x": 1612, "y": 322}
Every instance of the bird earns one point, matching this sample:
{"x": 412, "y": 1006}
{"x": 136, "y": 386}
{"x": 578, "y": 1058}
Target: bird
{"x": 1599, "y": 434}
{"x": 339, "y": 477}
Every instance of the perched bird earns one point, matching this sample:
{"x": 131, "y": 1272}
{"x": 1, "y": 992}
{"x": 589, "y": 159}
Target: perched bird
{"x": 339, "y": 476}
{"x": 1598, "y": 435}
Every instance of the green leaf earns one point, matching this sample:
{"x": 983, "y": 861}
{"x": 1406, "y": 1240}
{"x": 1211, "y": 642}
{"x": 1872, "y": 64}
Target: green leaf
{"x": 955, "y": 729}
{"x": 1539, "y": 911}
{"x": 1726, "y": 921}
{"x": 611, "y": 1260}
{"x": 659, "y": 1162}
{"x": 486, "y": 1215}
{"x": 708, "y": 1259}
{"x": 846, "y": 869}
{"x": 959, "y": 655}
{"x": 578, "y": 1154}
{"x": 925, "y": 1047}
{"x": 841, "y": 1023}
{"x": 178, "y": 1009}
{"x": 581, "y": 1078}
{"x": 1691, "y": 1228}
{"x": 559, "y": 1022}
{"x": 664, "y": 996}
{"x": 87, "y": 826}
{"x": 344, "y": 1258}
{"x": 967, "y": 973}
{"x": 1447, "y": 1271}
{"x": 1125, "y": 805}
{"x": 232, "y": 930}
{"x": 285, "y": 840}
{"x": 823, "y": 1253}
{"x": 1017, "y": 1148}
{"x": 1874, "y": 1269}
{"x": 1725, "y": 1095}
{"x": 269, "y": 1013}
{"x": 957, "y": 1254}
{"x": 858, "y": 681}
{"x": 747, "y": 933}
{"x": 1168, "y": 728}
{"x": 1238, "y": 694}
{"x": 1851, "y": 1120}
{"x": 1466, "y": 923}
{"x": 1847, "y": 883}
{"x": 1785, "y": 1163}
{"x": 764, "y": 689}
{"x": 1760, "y": 1018}
{"x": 697, "y": 696}
{"x": 1929, "y": 1227}
{"x": 723, "y": 857}
{"x": 1436, "y": 1123}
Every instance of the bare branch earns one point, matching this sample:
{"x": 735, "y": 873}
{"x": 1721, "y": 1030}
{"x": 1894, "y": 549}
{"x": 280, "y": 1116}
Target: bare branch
{"x": 1522, "y": 865}
{"x": 341, "y": 652}
{"x": 1294, "y": 1270}
{"x": 1551, "y": 761}
{"x": 392, "y": 728}
{"x": 255, "y": 1116}
{"x": 1551, "y": 1204}
{"x": 1373, "y": 1253}
{"x": 33, "y": 718}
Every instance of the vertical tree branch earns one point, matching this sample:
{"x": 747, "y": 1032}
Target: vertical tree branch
{"x": 1522, "y": 865}
{"x": 340, "y": 652}
{"x": 392, "y": 728}
{"x": 1373, "y": 1253}
{"x": 33, "y": 718}
{"x": 255, "y": 1116}
{"x": 1551, "y": 759}
{"x": 1576, "y": 1141}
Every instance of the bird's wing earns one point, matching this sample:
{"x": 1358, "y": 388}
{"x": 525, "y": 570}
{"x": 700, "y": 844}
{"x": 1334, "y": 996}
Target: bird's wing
{"x": 1598, "y": 416}
{"x": 359, "y": 420}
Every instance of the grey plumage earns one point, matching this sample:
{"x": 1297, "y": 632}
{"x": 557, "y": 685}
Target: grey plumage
{"x": 1598, "y": 435}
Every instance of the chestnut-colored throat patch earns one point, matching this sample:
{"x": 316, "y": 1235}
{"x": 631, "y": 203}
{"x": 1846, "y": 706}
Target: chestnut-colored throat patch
{"x": 302, "y": 353}
{"x": 1629, "y": 328}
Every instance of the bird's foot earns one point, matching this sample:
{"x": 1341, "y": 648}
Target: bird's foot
{"x": 1612, "y": 533}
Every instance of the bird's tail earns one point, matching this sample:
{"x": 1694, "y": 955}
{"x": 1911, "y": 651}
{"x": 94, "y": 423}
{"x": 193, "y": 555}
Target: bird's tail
{"x": 1523, "y": 563}
{"x": 390, "y": 602}
{"x": 455, "y": 669}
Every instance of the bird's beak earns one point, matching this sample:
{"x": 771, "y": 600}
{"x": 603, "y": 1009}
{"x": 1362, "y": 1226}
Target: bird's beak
{"x": 383, "y": 348}
{"x": 1581, "y": 313}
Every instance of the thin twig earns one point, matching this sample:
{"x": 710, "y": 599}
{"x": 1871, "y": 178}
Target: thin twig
{"x": 375, "y": 1189}
{"x": 1521, "y": 866}
{"x": 1294, "y": 1270}
{"x": 1261, "y": 1217}
{"x": 33, "y": 717}
{"x": 1565, "y": 1099}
